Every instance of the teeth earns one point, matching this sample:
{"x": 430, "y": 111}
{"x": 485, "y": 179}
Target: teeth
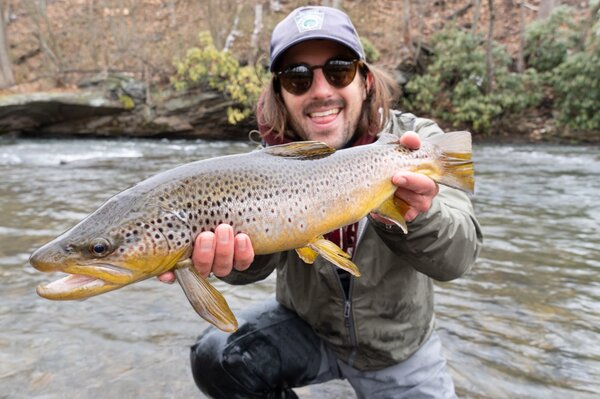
{"x": 324, "y": 113}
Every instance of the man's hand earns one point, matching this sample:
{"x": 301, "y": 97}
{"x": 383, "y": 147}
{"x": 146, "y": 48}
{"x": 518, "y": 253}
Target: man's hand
{"x": 218, "y": 253}
{"x": 416, "y": 189}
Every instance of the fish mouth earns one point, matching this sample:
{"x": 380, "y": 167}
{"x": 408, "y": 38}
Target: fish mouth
{"x": 84, "y": 281}
{"x": 75, "y": 286}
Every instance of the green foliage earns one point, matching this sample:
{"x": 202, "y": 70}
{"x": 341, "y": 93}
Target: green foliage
{"x": 453, "y": 88}
{"x": 547, "y": 42}
{"x": 576, "y": 84}
{"x": 127, "y": 102}
{"x": 570, "y": 67}
{"x": 219, "y": 70}
{"x": 371, "y": 53}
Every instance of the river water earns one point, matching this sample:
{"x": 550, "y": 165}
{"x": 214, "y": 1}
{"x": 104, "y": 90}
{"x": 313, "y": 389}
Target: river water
{"x": 523, "y": 323}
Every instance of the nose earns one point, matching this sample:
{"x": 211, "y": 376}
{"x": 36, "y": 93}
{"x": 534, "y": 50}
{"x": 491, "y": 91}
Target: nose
{"x": 45, "y": 258}
{"x": 320, "y": 87}
{"x": 37, "y": 260}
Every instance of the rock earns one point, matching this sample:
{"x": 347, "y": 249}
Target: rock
{"x": 116, "y": 107}
{"x": 29, "y": 111}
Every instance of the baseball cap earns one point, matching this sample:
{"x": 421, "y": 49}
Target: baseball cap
{"x": 314, "y": 22}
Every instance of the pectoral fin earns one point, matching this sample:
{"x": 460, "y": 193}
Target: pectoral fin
{"x": 307, "y": 254}
{"x": 394, "y": 209}
{"x": 206, "y": 300}
{"x": 333, "y": 254}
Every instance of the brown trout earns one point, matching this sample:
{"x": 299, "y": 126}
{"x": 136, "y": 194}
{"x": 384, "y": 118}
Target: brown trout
{"x": 284, "y": 197}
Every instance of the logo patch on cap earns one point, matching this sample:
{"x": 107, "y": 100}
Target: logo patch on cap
{"x": 309, "y": 20}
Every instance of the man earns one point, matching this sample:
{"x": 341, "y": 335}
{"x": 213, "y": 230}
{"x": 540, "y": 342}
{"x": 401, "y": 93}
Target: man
{"x": 376, "y": 331}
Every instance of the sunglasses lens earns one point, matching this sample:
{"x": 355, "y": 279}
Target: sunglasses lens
{"x": 340, "y": 73}
{"x": 296, "y": 80}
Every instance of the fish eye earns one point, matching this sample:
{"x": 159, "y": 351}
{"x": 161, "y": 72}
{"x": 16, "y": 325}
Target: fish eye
{"x": 100, "y": 247}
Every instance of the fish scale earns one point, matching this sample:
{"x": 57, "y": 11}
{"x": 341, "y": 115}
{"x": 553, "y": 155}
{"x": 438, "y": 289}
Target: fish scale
{"x": 283, "y": 197}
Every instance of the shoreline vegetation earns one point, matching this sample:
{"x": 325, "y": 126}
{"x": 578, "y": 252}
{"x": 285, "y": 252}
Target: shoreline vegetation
{"x": 511, "y": 72}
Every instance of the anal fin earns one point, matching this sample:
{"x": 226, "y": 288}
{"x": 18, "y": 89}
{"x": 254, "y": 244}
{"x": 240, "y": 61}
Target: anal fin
{"x": 394, "y": 209}
{"x": 205, "y": 299}
{"x": 308, "y": 255}
{"x": 333, "y": 254}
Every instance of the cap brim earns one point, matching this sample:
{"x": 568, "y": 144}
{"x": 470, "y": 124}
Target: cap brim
{"x": 304, "y": 38}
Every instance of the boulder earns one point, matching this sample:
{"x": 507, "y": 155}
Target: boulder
{"x": 117, "y": 106}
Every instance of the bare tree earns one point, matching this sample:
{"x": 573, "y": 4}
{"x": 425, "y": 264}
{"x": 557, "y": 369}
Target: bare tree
{"x": 419, "y": 38}
{"x": 476, "y": 11}
{"x": 172, "y": 13}
{"x": 255, "y": 38}
{"x": 45, "y": 35}
{"x": 520, "y": 54}
{"x": 546, "y": 8}
{"x": 489, "y": 60}
{"x": 588, "y": 24}
{"x": 234, "y": 29}
{"x": 6, "y": 76}
{"x": 406, "y": 33}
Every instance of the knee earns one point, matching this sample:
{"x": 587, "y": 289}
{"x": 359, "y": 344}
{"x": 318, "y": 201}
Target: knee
{"x": 224, "y": 365}
{"x": 207, "y": 366}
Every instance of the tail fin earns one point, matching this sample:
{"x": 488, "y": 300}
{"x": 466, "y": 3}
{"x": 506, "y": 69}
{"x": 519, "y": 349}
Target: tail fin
{"x": 456, "y": 160}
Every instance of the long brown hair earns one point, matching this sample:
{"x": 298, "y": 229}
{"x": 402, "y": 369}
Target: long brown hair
{"x": 272, "y": 115}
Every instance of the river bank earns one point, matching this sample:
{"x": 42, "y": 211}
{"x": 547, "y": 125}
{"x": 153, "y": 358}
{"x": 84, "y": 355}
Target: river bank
{"x": 121, "y": 107}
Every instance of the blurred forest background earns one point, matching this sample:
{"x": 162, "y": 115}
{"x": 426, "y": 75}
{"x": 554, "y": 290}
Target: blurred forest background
{"x": 512, "y": 68}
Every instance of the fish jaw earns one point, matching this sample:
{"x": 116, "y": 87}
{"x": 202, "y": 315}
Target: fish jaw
{"x": 75, "y": 286}
{"x": 82, "y": 281}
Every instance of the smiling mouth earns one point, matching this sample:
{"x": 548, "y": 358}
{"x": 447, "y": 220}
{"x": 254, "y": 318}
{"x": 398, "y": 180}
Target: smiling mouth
{"x": 321, "y": 114}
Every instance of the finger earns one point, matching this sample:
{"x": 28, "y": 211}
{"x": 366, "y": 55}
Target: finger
{"x": 416, "y": 182}
{"x": 167, "y": 277}
{"x": 224, "y": 243}
{"x": 420, "y": 202}
{"x": 411, "y": 140}
{"x": 416, "y": 190}
{"x": 204, "y": 252}
{"x": 243, "y": 254}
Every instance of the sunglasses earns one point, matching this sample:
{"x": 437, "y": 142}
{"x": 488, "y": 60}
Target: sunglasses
{"x": 297, "y": 79}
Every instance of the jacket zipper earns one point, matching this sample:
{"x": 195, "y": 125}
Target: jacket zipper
{"x": 348, "y": 318}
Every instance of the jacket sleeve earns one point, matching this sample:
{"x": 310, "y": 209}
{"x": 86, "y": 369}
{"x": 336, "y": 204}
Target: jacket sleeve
{"x": 261, "y": 268}
{"x": 443, "y": 242}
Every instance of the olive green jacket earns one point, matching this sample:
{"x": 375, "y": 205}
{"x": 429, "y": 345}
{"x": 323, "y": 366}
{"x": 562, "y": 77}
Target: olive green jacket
{"x": 388, "y": 314}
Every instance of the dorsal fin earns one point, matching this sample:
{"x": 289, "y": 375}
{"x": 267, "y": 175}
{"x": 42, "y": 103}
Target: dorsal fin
{"x": 301, "y": 150}
{"x": 387, "y": 138}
